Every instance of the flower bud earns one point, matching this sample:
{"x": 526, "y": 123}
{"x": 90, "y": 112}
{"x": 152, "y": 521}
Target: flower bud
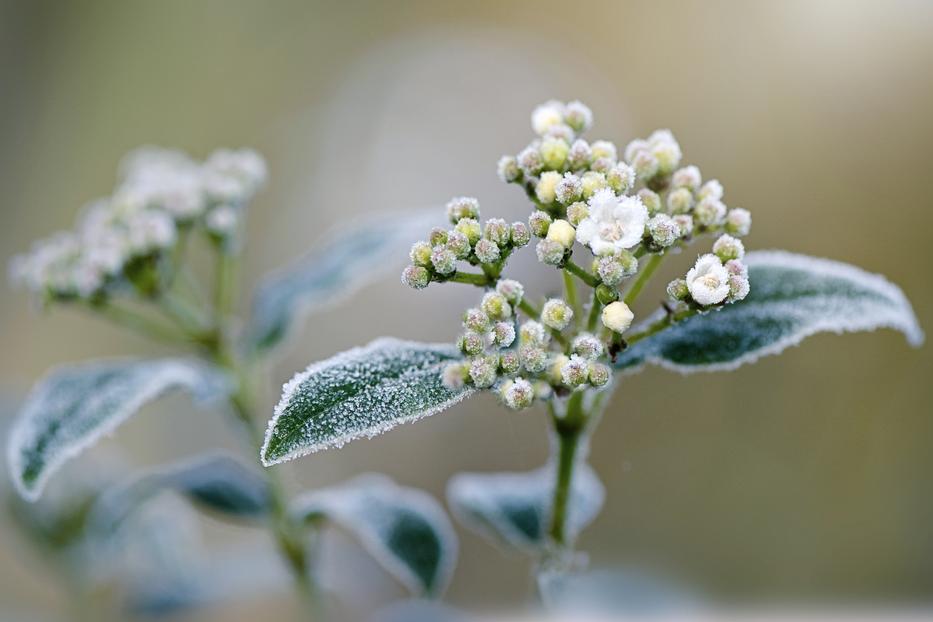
{"x": 533, "y": 333}
{"x": 455, "y": 375}
{"x": 602, "y": 165}
{"x": 543, "y": 390}
{"x": 610, "y": 270}
{"x": 569, "y": 189}
{"x": 680, "y": 201}
{"x": 556, "y": 368}
{"x": 486, "y": 251}
{"x": 470, "y": 228}
{"x": 645, "y": 164}
{"x": 562, "y": 232}
{"x": 471, "y": 343}
{"x": 496, "y": 306}
{"x": 517, "y": 394}
{"x": 579, "y": 155}
{"x": 509, "y": 362}
{"x": 520, "y": 235}
{"x": 561, "y": 131}
{"x": 677, "y": 289}
{"x": 576, "y": 212}
{"x": 416, "y": 277}
{"x": 604, "y": 149}
{"x": 222, "y": 221}
{"x": 738, "y": 288}
{"x": 635, "y": 146}
{"x": 443, "y": 260}
{"x": 578, "y": 116}
{"x": 546, "y": 115}
{"x": 546, "y": 189}
{"x": 503, "y": 334}
{"x": 710, "y": 190}
{"x": 437, "y": 237}
{"x": 533, "y": 358}
{"x": 420, "y": 254}
{"x": 651, "y": 199}
{"x": 668, "y": 157}
{"x": 483, "y": 371}
{"x": 556, "y": 314}
{"x": 728, "y": 247}
{"x": 628, "y": 260}
{"x": 606, "y": 295}
{"x": 685, "y": 222}
{"x": 511, "y": 289}
{"x": 587, "y": 346}
{"x": 508, "y": 169}
{"x": 709, "y": 212}
{"x": 550, "y": 252}
{"x": 593, "y": 182}
{"x": 476, "y": 320}
{"x": 462, "y": 207}
{"x": 598, "y": 374}
{"x": 575, "y": 371}
{"x": 736, "y": 268}
{"x": 554, "y": 152}
{"x": 663, "y": 230}
{"x": 497, "y": 230}
{"x": 529, "y": 160}
{"x": 458, "y": 244}
{"x": 621, "y": 177}
{"x": 738, "y": 221}
{"x": 617, "y": 317}
{"x": 687, "y": 177}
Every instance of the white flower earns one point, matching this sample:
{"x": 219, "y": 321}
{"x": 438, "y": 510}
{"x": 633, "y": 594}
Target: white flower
{"x": 617, "y": 316}
{"x": 578, "y": 116}
{"x": 150, "y": 230}
{"x": 708, "y": 280}
{"x": 234, "y": 175}
{"x": 556, "y": 313}
{"x": 614, "y": 223}
{"x": 222, "y": 220}
{"x": 517, "y": 394}
{"x": 547, "y": 114}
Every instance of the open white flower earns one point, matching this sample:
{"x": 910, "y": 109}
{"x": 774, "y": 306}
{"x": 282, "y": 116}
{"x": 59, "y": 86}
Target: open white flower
{"x": 708, "y": 280}
{"x": 614, "y": 223}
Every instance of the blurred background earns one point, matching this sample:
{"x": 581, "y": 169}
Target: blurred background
{"x": 802, "y": 478}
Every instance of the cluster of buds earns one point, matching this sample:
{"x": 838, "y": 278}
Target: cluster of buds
{"x": 128, "y": 236}
{"x": 488, "y": 245}
{"x": 527, "y": 361}
{"x": 717, "y": 278}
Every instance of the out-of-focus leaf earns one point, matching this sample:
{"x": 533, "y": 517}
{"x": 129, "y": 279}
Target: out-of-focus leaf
{"x": 361, "y": 392}
{"x": 614, "y": 593}
{"x": 75, "y": 405}
{"x": 513, "y": 509}
{"x": 792, "y": 297}
{"x": 404, "y": 529}
{"x": 418, "y": 611}
{"x": 347, "y": 260}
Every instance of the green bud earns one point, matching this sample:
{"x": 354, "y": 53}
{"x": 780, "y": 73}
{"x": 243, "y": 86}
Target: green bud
{"x": 592, "y": 181}
{"x": 476, "y": 320}
{"x": 458, "y": 244}
{"x": 438, "y": 237}
{"x": 420, "y": 254}
{"x": 576, "y": 212}
{"x": 470, "y": 228}
{"x": 496, "y": 306}
{"x": 554, "y": 152}
{"x": 462, "y": 207}
{"x": 509, "y": 362}
{"x": 497, "y": 230}
{"x": 539, "y": 222}
{"x": 598, "y": 374}
{"x": 471, "y": 343}
{"x": 651, "y": 199}
{"x": 606, "y": 294}
{"x": 556, "y": 314}
{"x": 416, "y": 277}
{"x": 520, "y": 235}
{"x": 677, "y": 289}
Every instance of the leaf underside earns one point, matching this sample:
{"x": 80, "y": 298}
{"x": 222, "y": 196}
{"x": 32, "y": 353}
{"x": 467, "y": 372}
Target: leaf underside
{"x": 513, "y": 509}
{"x": 352, "y": 257}
{"x": 792, "y": 297}
{"x": 75, "y": 405}
{"x": 404, "y": 529}
{"x": 361, "y": 392}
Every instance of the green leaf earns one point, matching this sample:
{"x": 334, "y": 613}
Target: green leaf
{"x": 792, "y": 297}
{"x": 404, "y": 529}
{"x": 350, "y": 258}
{"x": 361, "y": 392}
{"x": 75, "y": 405}
{"x": 513, "y": 509}
{"x": 219, "y": 483}
{"x": 625, "y": 592}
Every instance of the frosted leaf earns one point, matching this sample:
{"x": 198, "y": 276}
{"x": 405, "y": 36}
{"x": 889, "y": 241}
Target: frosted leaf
{"x": 616, "y": 592}
{"x": 514, "y": 508}
{"x": 792, "y": 297}
{"x": 219, "y": 483}
{"x": 349, "y": 258}
{"x": 404, "y": 529}
{"x": 361, "y": 392}
{"x": 418, "y": 611}
{"x": 75, "y": 405}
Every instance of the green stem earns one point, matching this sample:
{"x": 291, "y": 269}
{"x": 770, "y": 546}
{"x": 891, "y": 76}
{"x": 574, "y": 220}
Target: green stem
{"x": 650, "y": 266}
{"x": 595, "y": 308}
{"x": 570, "y": 287}
{"x": 225, "y": 288}
{"x": 470, "y": 278}
{"x": 569, "y": 429}
{"x": 665, "y": 322}
{"x": 141, "y": 324}
{"x": 529, "y": 309}
{"x": 582, "y": 273}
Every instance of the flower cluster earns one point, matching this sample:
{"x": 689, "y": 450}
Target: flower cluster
{"x": 487, "y": 245}
{"x": 716, "y": 278}
{"x": 129, "y": 236}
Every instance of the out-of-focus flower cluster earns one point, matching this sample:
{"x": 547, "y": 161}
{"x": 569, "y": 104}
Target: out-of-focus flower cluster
{"x": 128, "y": 237}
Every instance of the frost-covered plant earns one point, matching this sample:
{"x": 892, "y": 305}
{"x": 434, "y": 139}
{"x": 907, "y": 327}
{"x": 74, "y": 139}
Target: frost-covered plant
{"x": 605, "y": 220}
{"x": 128, "y": 260}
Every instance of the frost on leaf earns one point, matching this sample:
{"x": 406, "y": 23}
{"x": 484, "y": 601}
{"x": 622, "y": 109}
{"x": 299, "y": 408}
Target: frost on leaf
{"x": 792, "y": 297}
{"x": 514, "y": 508}
{"x": 72, "y": 407}
{"x": 350, "y": 258}
{"x": 361, "y": 392}
{"x": 616, "y": 592}
{"x": 404, "y": 529}
{"x": 219, "y": 483}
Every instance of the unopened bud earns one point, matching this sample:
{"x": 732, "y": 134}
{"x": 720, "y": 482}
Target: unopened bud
{"x": 546, "y": 190}
{"x": 680, "y": 201}
{"x": 548, "y": 114}
{"x": 593, "y": 182}
{"x": 533, "y": 333}
{"x": 420, "y": 254}
{"x": 533, "y": 358}
{"x": 575, "y": 371}
{"x": 738, "y": 288}
{"x": 728, "y": 247}
{"x": 517, "y": 394}
{"x": 509, "y": 362}
{"x": 471, "y": 343}
{"x": 503, "y": 334}
{"x": 709, "y": 212}
{"x": 687, "y": 177}
{"x": 483, "y": 371}
{"x": 587, "y": 346}
{"x": 554, "y": 152}
{"x": 621, "y": 177}
{"x": 579, "y": 155}
{"x": 610, "y": 271}
{"x": 416, "y": 277}
{"x": 443, "y": 260}
{"x": 578, "y": 116}
{"x": 556, "y": 314}
{"x": 455, "y": 375}
{"x": 496, "y": 306}
{"x": 678, "y": 290}
{"x": 511, "y": 289}
{"x": 476, "y": 320}
{"x": 529, "y": 160}
{"x": 470, "y": 228}
{"x": 598, "y": 374}
{"x": 486, "y": 251}
{"x": 550, "y": 252}
{"x": 508, "y": 169}
{"x": 604, "y": 149}
{"x": 651, "y": 199}
{"x": 711, "y": 190}
{"x": 738, "y": 221}
{"x": 685, "y": 222}
{"x": 462, "y": 207}
{"x": 497, "y": 230}
{"x": 617, "y": 317}
{"x": 569, "y": 189}
{"x": 663, "y": 230}
{"x": 576, "y": 212}
{"x": 646, "y": 165}
{"x": 438, "y": 236}
{"x": 562, "y": 232}
{"x": 606, "y": 295}
{"x": 458, "y": 244}
{"x": 520, "y": 235}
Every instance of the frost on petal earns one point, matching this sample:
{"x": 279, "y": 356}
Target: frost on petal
{"x": 361, "y": 392}
{"x": 75, "y": 405}
{"x": 514, "y": 508}
{"x": 792, "y": 297}
{"x": 404, "y": 529}
{"x": 348, "y": 259}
